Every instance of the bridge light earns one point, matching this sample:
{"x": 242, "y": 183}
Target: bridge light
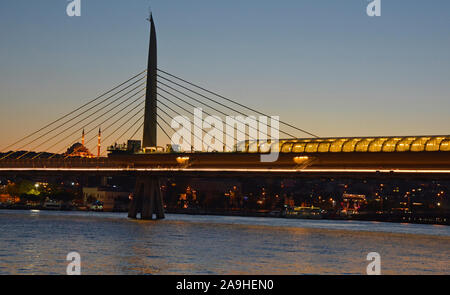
{"x": 182, "y": 160}
{"x": 300, "y": 159}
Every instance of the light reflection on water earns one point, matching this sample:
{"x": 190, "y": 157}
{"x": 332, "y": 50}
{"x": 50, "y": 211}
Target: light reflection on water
{"x": 109, "y": 243}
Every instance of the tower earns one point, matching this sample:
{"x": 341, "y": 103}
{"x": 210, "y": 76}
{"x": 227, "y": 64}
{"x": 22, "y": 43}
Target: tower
{"x": 82, "y": 138}
{"x": 149, "y": 136}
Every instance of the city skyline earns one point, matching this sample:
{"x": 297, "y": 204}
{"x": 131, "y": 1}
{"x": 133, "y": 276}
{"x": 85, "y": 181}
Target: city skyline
{"x": 386, "y": 75}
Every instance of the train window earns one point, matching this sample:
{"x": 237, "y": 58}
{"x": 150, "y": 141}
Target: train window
{"x": 445, "y": 145}
{"x": 336, "y": 147}
{"x": 404, "y": 145}
{"x": 434, "y": 144}
{"x": 418, "y": 145}
{"x": 324, "y": 147}
{"x": 363, "y": 145}
{"x": 390, "y": 145}
{"x": 287, "y": 147}
{"x": 376, "y": 145}
{"x": 299, "y": 147}
{"x": 350, "y": 145}
{"x": 311, "y": 147}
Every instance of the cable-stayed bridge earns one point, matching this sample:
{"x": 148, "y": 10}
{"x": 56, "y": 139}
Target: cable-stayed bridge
{"x": 89, "y": 140}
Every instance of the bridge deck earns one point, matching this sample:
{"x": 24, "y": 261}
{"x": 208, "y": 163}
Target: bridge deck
{"x": 438, "y": 161}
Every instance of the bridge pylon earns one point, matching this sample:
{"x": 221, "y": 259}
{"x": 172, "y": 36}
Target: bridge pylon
{"x": 147, "y": 199}
{"x": 149, "y": 134}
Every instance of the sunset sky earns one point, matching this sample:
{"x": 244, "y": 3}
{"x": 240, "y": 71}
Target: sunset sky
{"x": 323, "y": 65}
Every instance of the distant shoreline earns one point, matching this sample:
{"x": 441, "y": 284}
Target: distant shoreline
{"x": 394, "y": 218}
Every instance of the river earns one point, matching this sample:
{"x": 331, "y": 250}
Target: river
{"x": 37, "y": 242}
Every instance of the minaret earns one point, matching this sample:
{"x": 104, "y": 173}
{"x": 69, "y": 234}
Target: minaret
{"x": 82, "y": 138}
{"x": 149, "y": 137}
{"x": 99, "y": 142}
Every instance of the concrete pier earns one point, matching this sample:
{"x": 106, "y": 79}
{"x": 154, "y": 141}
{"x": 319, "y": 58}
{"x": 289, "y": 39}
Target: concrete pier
{"x": 147, "y": 199}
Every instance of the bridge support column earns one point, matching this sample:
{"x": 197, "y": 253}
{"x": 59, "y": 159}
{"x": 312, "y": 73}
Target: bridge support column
{"x": 147, "y": 199}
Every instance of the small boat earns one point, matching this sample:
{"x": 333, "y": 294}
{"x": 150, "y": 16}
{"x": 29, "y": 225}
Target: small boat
{"x": 97, "y": 206}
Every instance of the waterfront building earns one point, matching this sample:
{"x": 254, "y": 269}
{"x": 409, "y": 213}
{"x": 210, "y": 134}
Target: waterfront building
{"x": 113, "y": 199}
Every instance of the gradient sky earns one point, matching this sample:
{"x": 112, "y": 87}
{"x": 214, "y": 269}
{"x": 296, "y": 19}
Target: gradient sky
{"x": 323, "y": 65}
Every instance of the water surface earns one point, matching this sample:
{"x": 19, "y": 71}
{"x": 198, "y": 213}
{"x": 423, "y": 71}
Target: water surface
{"x": 109, "y": 243}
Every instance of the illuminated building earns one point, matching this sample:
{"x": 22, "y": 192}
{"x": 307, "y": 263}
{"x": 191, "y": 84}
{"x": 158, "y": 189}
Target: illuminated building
{"x": 351, "y": 203}
{"x": 110, "y": 198}
{"x": 78, "y": 150}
